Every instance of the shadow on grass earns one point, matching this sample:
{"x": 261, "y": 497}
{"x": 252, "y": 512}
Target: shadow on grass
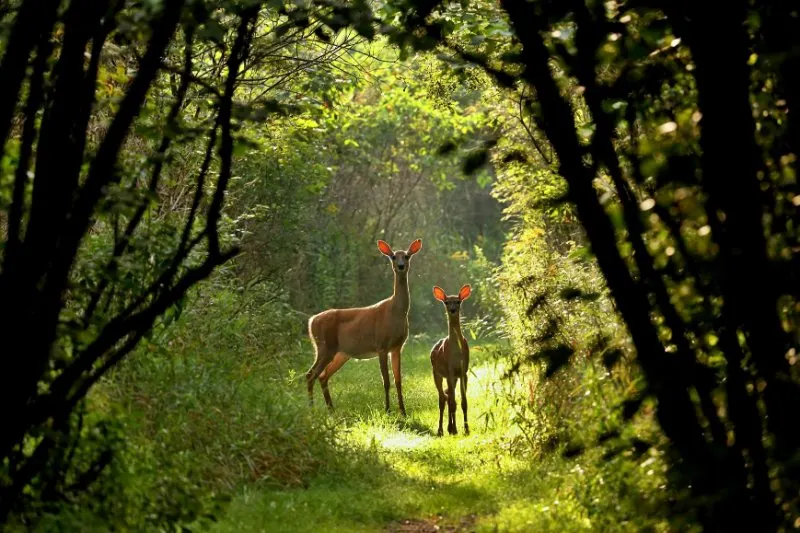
{"x": 359, "y": 493}
{"x": 415, "y": 426}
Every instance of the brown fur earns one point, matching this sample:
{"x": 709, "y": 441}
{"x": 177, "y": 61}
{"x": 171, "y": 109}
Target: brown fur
{"x": 365, "y": 332}
{"x": 450, "y": 360}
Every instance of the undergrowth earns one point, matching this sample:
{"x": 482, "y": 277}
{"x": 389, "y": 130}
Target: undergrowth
{"x": 386, "y": 469}
{"x": 215, "y": 431}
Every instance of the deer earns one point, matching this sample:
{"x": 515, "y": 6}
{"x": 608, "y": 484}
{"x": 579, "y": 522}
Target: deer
{"x": 364, "y": 332}
{"x": 450, "y": 360}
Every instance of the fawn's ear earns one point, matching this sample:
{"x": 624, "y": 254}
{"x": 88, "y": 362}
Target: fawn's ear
{"x": 385, "y": 248}
{"x": 439, "y": 294}
{"x": 464, "y": 293}
{"x": 415, "y": 247}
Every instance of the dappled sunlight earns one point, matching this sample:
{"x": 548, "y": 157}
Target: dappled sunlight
{"x": 402, "y": 441}
{"x": 409, "y": 446}
{"x": 484, "y": 373}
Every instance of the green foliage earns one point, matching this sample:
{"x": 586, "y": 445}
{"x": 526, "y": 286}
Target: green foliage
{"x": 204, "y": 406}
{"x": 365, "y": 166}
{"x": 561, "y": 323}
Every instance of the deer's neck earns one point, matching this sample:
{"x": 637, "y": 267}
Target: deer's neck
{"x": 454, "y": 328}
{"x": 401, "y": 299}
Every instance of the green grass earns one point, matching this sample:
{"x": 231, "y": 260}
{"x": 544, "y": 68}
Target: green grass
{"x": 388, "y": 469}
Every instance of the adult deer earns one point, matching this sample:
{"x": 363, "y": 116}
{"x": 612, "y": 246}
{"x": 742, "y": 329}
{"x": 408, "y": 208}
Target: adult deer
{"x": 450, "y": 360}
{"x": 364, "y": 332}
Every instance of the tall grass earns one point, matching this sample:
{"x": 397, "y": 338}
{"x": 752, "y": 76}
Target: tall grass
{"x": 205, "y": 406}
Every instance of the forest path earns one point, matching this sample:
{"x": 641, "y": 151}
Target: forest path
{"x": 397, "y": 475}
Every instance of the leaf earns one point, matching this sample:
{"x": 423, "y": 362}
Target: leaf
{"x": 511, "y": 57}
{"x": 535, "y": 303}
{"x": 322, "y": 35}
{"x": 549, "y": 332}
{"x": 640, "y": 447}
{"x": 213, "y": 31}
{"x": 631, "y": 407}
{"x": 446, "y": 148}
{"x": 611, "y": 357}
{"x": 573, "y": 450}
{"x": 556, "y": 358}
{"x": 549, "y": 203}
{"x": 300, "y": 19}
{"x": 598, "y": 344}
{"x": 478, "y": 157}
{"x": 365, "y": 28}
{"x": 516, "y": 156}
{"x": 607, "y": 436}
{"x": 477, "y": 39}
{"x": 580, "y": 254}
{"x": 475, "y": 160}
{"x": 610, "y": 454}
{"x": 571, "y": 293}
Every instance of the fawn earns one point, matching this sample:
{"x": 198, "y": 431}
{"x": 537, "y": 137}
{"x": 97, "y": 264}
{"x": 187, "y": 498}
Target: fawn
{"x": 364, "y": 332}
{"x": 450, "y": 360}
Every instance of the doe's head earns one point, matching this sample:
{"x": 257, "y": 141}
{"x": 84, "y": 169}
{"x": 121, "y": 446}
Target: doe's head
{"x": 452, "y": 304}
{"x": 401, "y": 259}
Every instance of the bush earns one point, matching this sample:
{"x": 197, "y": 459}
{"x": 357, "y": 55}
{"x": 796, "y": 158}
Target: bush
{"x": 573, "y": 369}
{"x": 202, "y": 408}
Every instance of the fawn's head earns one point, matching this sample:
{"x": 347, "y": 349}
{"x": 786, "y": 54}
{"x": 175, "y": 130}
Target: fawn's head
{"x": 401, "y": 259}
{"x": 452, "y": 303}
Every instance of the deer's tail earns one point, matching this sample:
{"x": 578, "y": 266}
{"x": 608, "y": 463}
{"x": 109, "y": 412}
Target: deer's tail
{"x": 311, "y": 326}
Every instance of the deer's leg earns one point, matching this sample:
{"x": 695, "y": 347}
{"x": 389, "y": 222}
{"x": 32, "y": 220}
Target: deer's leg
{"x": 437, "y": 379}
{"x": 464, "y": 401}
{"x": 321, "y": 361}
{"x": 398, "y": 380}
{"x": 451, "y": 404}
{"x": 383, "y": 357}
{"x": 338, "y": 360}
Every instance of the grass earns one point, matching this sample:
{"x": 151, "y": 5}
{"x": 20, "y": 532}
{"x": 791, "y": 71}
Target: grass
{"x": 388, "y": 470}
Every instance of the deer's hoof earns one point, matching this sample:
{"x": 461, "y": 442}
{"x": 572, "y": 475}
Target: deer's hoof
{"x": 466, "y": 430}
{"x": 440, "y": 433}
{"x": 452, "y": 431}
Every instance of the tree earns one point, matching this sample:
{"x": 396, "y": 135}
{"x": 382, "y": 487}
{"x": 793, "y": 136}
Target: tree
{"x": 68, "y": 184}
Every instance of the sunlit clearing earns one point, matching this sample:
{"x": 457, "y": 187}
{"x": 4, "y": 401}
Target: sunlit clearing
{"x": 484, "y": 373}
{"x": 400, "y": 440}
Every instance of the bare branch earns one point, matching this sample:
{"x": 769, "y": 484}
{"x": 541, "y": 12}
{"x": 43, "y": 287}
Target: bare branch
{"x": 170, "y": 131}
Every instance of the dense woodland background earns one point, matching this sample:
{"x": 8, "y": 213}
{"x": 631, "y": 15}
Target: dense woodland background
{"x": 184, "y": 182}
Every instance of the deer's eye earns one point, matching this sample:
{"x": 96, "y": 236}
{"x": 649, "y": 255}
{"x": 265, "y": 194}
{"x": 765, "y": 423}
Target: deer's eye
{"x": 393, "y": 257}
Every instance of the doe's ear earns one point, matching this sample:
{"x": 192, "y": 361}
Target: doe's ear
{"x": 385, "y": 248}
{"x": 464, "y": 293}
{"x": 439, "y": 294}
{"x": 415, "y": 247}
